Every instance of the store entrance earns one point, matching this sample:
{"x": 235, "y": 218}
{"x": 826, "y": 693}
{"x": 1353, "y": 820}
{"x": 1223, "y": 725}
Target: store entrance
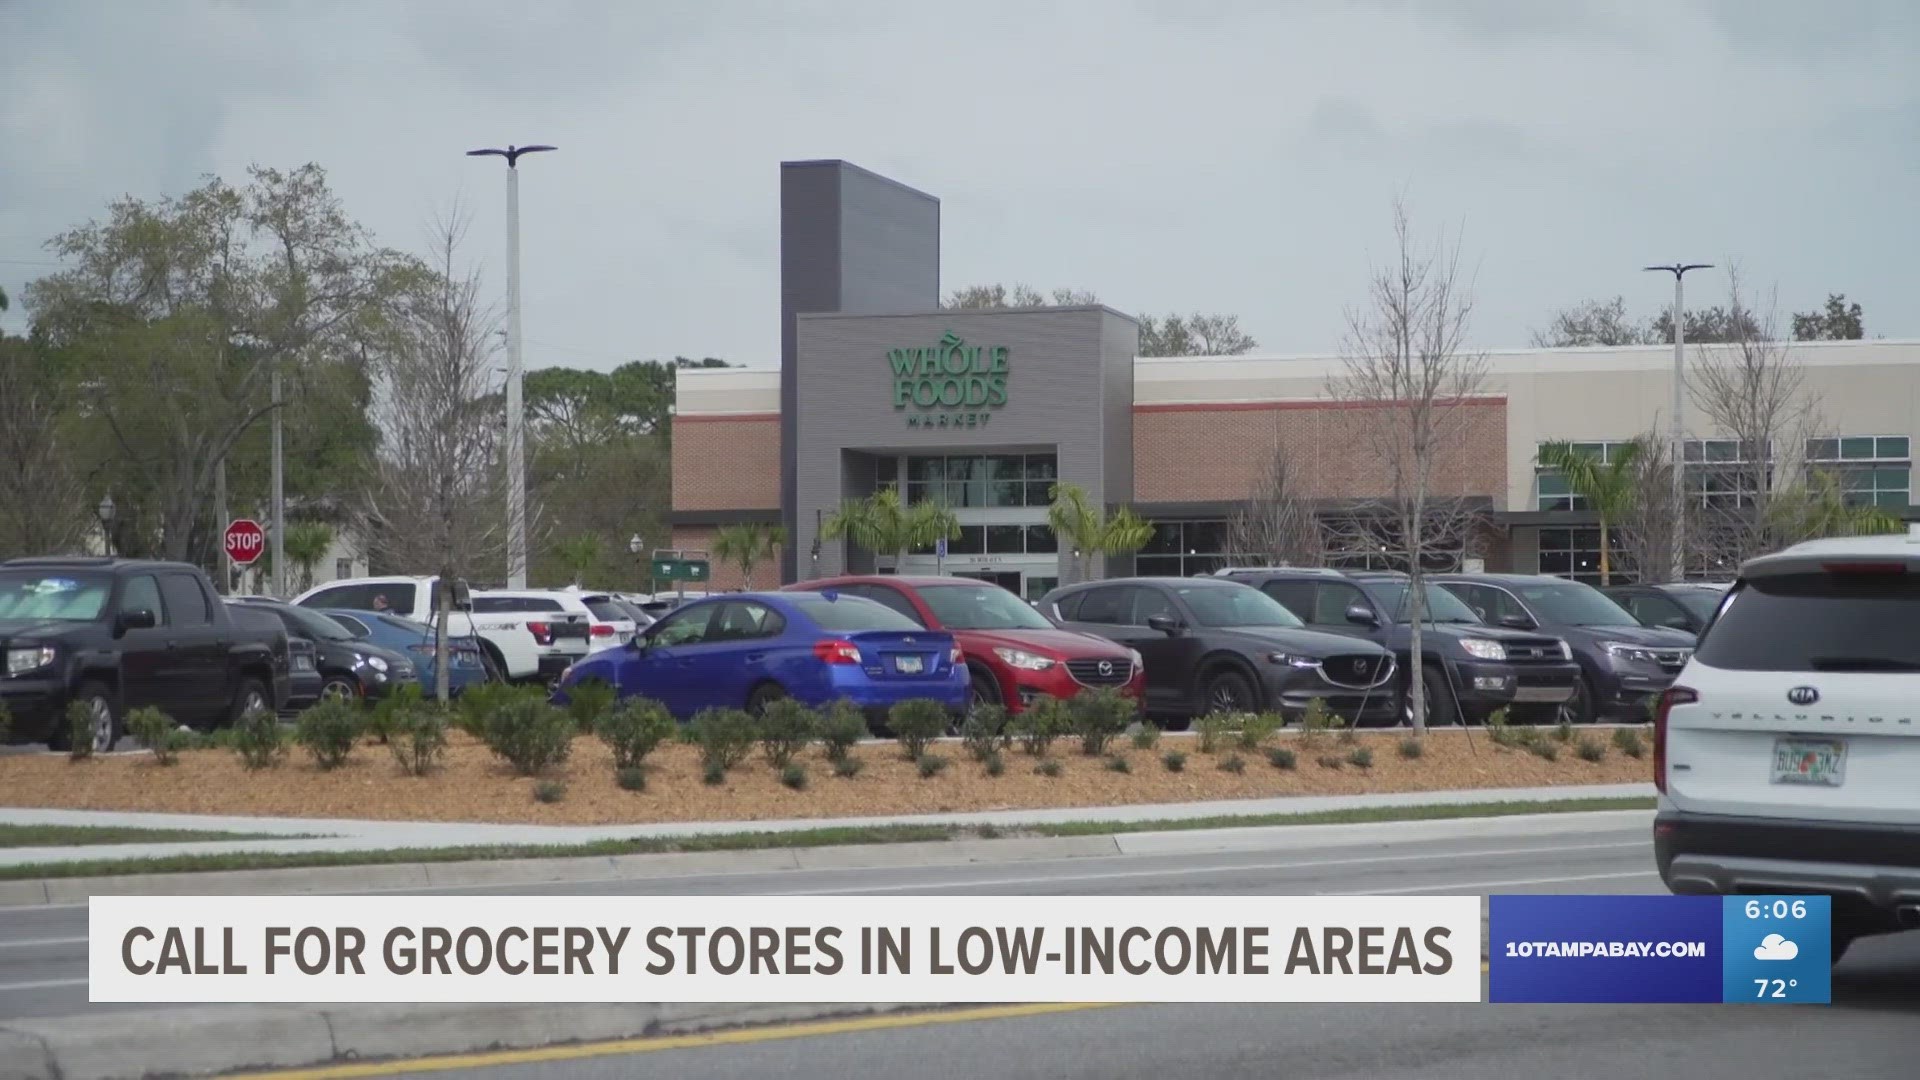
{"x": 1006, "y": 579}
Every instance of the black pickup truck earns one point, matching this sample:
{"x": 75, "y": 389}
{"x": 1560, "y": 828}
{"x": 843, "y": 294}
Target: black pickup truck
{"x": 121, "y": 634}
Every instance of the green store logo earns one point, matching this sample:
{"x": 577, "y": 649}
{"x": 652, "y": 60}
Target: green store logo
{"x": 951, "y": 384}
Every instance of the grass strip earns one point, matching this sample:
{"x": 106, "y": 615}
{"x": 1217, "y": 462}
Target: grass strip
{"x": 802, "y": 838}
{"x": 20, "y": 836}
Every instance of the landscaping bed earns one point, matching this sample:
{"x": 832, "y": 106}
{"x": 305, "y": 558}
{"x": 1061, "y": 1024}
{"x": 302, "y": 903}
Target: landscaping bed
{"x": 473, "y": 784}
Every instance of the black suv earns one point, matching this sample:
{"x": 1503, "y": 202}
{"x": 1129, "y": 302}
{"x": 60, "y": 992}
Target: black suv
{"x": 1676, "y": 607}
{"x": 1623, "y": 664}
{"x": 1469, "y": 668}
{"x": 1218, "y": 646}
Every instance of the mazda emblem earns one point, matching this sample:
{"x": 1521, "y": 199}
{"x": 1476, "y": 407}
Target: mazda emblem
{"x": 1106, "y": 667}
{"x": 1803, "y": 695}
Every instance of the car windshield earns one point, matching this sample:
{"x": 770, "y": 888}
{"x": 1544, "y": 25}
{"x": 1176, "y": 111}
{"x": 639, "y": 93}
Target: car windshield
{"x": 1242, "y": 605}
{"x": 1442, "y": 606}
{"x": 981, "y": 607}
{"x": 850, "y": 613}
{"x": 1573, "y": 604}
{"x": 606, "y": 609}
{"x": 37, "y": 594}
{"x": 1700, "y": 603}
{"x": 314, "y": 625}
{"x": 1859, "y": 623}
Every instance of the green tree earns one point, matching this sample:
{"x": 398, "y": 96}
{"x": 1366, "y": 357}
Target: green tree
{"x": 1595, "y": 322}
{"x": 1839, "y": 321}
{"x": 44, "y": 501}
{"x": 1019, "y": 296}
{"x": 1198, "y": 334}
{"x": 1609, "y": 487}
{"x": 306, "y": 543}
{"x": 882, "y": 524}
{"x": 1085, "y": 531}
{"x": 581, "y": 556}
{"x": 1819, "y": 508}
{"x": 747, "y": 546}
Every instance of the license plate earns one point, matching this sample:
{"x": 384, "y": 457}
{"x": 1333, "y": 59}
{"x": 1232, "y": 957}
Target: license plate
{"x": 908, "y": 665}
{"x": 1553, "y": 694}
{"x": 1809, "y": 761}
{"x": 301, "y": 663}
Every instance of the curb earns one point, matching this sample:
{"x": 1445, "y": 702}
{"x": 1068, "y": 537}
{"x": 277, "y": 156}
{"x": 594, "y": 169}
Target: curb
{"x": 173, "y": 1042}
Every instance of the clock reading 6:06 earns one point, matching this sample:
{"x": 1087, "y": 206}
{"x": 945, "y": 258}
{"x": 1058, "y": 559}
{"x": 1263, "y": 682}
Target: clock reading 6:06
{"x": 1777, "y": 909}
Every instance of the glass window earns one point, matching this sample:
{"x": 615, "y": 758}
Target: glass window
{"x": 1042, "y": 473}
{"x": 1041, "y": 541}
{"x": 886, "y": 596}
{"x": 1005, "y": 481}
{"x": 1332, "y": 600}
{"x": 1148, "y": 604}
{"x": 142, "y": 593}
{"x": 1701, "y": 602}
{"x": 605, "y": 609}
{"x": 312, "y": 624}
{"x": 687, "y": 626}
{"x": 1165, "y": 539}
{"x": 1441, "y": 605}
{"x": 1183, "y": 549}
{"x": 1157, "y": 565}
{"x": 1296, "y": 596}
{"x": 981, "y": 607}
{"x": 923, "y": 469}
{"x": 495, "y": 605}
{"x": 1109, "y": 606}
{"x": 354, "y": 627}
{"x": 886, "y": 471}
{"x": 1860, "y": 623}
{"x": 1570, "y": 605}
{"x": 851, "y": 613}
{"x": 35, "y": 594}
{"x": 745, "y": 620}
{"x": 187, "y": 605}
{"x": 971, "y": 541}
{"x": 1036, "y": 586}
{"x": 1856, "y": 447}
{"x": 1006, "y": 539}
{"x": 1235, "y": 605}
{"x": 1575, "y": 554}
{"x": 1891, "y": 446}
{"x": 1652, "y": 609}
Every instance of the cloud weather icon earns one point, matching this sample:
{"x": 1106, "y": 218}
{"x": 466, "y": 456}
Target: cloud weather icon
{"x": 1775, "y": 947}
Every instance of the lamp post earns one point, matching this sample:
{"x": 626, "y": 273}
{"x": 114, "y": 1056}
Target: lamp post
{"x": 105, "y": 511}
{"x": 516, "y": 447}
{"x": 1676, "y": 448}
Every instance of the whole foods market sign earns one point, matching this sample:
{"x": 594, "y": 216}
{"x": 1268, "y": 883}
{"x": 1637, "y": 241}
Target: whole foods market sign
{"x": 949, "y": 384}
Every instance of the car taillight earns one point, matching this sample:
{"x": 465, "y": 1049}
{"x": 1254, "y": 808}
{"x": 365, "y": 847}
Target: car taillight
{"x": 837, "y": 652}
{"x": 602, "y": 630}
{"x": 1864, "y": 567}
{"x": 955, "y": 656}
{"x": 1675, "y": 695}
{"x": 542, "y": 633}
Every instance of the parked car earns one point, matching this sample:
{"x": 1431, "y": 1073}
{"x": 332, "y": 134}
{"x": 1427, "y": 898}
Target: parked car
{"x": 122, "y": 634}
{"x": 1677, "y": 607}
{"x": 658, "y": 604}
{"x": 415, "y": 640}
{"x": 513, "y": 646}
{"x": 558, "y": 624}
{"x": 269, "y": 631}
{"x": 743, "y": 650}
{"x": 1623, "y": 665}
{"x": 1214, "y": 645}
{"x": 1469, "y": 669}
{"x": 350, "y": 669}
{"x": 1787, "y": 753}
{"x": 1014, "y": 654}
{"x": 613, "y": 622}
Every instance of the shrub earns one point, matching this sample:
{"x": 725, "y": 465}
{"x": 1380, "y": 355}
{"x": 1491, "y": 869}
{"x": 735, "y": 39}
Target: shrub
{"x": 1412, "y": 748}
{"x": 841, "y": 726}
{"x": 1147, "y": 737}
{"x": 634, "y": 729}
{"x": 418, "y": 738}
{"x": 549, "y": 791}
{"x": 1564, "y": 731}
{"x": 994, "y": 764}
{"x": 1501, "y": 730}
{"x": 588, "y": 703}
{"x": 712, "y": 773}
{"x": 986, "y": 732}
{"x": 1330, "y": 761}
{"x": 386, "y": 715}
{"x": 258, "y": 740}
{"x": 1360, "y": 757}
{"x": 79, "y": 730}
{"x": 1099, "y": 716}
{"x": 1627, "y": 741}
{"x": 528, "y": 734}
{"x": 328, "y": 731}
{"x": 1233, "y": 763}
{"x": 1216, "y": 729}
{"x": 1174, "y": 760}
{"x": 6, "y": 723}
{"x": 1281, "y": 758}
{"x": 1042, "y": 721}
{"x": 1257, "y": 728}
{"x": 476, "y": 705}
{"x": 1546, "y": 751}
{"x": 221, "y": 738}
{"x": 846, "y": 768}
{"x": 724, "y": 736}
{"x": 1343, "y": 731}
{"x": 1118, "y": 763}
{"x": 1315, "y": 722}
{"x": 1048, "y": 767}
{"x": 785, "y": 728}
{"x": 1589, "y": 749}
{"x": 151, "y": 727}
{"x": 916, "y": 723}
{"x": 930, "y": 765}
{"x": 794, "y": 775}
{"x": 631, "y": 778}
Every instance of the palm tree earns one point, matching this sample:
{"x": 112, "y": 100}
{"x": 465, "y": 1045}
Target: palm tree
{"x": 1609, "y": 488}
{"x": 306, "y": 543}
{"x": 747, "y": 545}
{"x": 885, "y": 526}
{"x": 1080, "y": 524}
{"x": 579, "y": 555}
{"x": 1820, "y": 509}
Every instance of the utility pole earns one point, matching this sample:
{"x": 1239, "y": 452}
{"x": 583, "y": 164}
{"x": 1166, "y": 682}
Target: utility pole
{"x": 1677, "y": 436}
{"x": 516, "y": 435}
{"x": 279, "y": 535}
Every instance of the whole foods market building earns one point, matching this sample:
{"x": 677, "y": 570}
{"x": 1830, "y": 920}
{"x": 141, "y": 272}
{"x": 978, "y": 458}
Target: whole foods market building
{"x": 985, "y": 409}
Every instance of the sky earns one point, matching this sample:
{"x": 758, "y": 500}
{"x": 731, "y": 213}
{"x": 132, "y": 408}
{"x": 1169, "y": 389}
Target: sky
{"x": 1168, "y": 155}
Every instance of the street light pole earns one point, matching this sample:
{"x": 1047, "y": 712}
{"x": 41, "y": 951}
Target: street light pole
{"x": 516, "y": 436}
{"x": 1676, "y": 448}
{"x": 279, "y": 544}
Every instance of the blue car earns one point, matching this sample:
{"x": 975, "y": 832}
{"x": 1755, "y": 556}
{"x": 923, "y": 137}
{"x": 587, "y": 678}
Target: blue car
{"x": 415, "y": 641}
{"x": 743, "y": 650}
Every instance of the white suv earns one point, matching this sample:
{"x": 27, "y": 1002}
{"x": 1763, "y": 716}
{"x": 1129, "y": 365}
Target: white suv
{"x": 556, "y": 625}
{"x": 1787, "y": 752}
{"x": 521, "y": 653}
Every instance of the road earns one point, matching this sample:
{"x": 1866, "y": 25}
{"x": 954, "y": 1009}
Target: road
{"x": 1869, "y": 1033}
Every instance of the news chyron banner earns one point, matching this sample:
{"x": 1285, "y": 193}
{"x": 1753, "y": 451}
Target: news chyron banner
{"x": 1770, "y": 950}
{"x": 912, "y": 949}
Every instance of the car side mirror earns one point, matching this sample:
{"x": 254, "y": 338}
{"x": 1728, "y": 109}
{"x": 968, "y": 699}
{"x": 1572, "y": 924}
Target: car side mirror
{"x": 137, "y": 619}
{"x": 1166, "y": 624}
{"x": 1362, "y": 615}
{"x": 1516, "y": 622}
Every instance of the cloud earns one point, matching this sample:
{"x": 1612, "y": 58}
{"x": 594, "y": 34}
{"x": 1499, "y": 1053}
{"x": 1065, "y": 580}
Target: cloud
{"x": 1775, "y": 947}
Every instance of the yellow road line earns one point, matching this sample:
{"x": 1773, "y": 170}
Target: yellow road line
{"x": 738, "y": 1036}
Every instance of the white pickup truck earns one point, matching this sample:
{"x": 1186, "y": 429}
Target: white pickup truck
{"x": 525, "y": 645}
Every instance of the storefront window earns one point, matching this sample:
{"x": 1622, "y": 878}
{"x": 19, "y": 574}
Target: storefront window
{"x": 1183, "y": 549}
{"x": 1575, "y": 554}
{"x": 1042, "y": 471}
{"x": 1041, "y": 541}
{"x": 1873, "y": 470}
{"x": 1006, "y": 539}
{"x": 981, "y": 481}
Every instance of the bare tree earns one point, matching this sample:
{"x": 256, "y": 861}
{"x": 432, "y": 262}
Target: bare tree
{"x": 1406, "y": 359}
{"x": 1644, "y": 527}
{"x": 437, "y": 496}
{"x": 1594, "y": 322}
{"x": 1275, "y": 526}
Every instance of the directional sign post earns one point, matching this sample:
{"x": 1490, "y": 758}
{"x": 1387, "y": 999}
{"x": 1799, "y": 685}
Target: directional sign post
{"x": 940, "y": 555}
{"x": 681, "y": 567}
{"x": 245, "y": 542}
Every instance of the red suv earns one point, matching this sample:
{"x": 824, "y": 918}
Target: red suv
{"x": 1014, "y": 653}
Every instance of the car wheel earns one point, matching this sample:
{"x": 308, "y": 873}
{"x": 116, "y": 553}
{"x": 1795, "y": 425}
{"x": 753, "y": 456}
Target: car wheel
{"x": 1227, "y": 690}
{"x": 985, "y": 689}
{"x": 496, "y": 672}
{"x": 103, "y": 720}
{"x": 249, "y": 699}
{"x": 339, "y": 688}
{"x": 763, "y": 695}
{"x": 1577, "y": 709}
{"x": 1442, "y": 710}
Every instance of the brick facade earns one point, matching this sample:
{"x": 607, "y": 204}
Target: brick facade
{"x": 726, "y": 462}
{"x": 1217, "y": 452}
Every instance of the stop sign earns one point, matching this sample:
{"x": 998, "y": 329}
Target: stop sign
{"x": 246, "y": 541}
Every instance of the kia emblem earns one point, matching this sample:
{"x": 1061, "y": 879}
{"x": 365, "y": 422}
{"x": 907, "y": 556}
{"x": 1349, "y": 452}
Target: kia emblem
{"x": 1106, "y": 667}
{"x": 1803, "y": 695}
